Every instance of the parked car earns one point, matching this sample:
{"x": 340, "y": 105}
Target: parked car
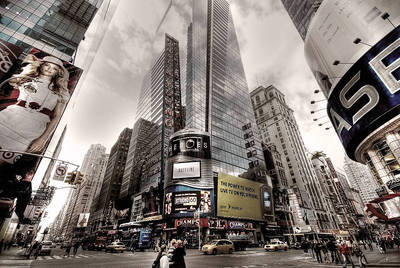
{"x": 115, "y": 247}
{"x": 275, "y": 246}
{"x": 46, "y": 248}
{"x": 218, "y": 246}
{"x": 296, "y": 245}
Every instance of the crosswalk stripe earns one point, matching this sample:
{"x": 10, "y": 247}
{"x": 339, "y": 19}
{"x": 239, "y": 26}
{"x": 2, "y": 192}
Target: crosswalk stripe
{"x": 48, "y": 257}
{"x": 57, "y": 257}
{"x": 84, "y": 256}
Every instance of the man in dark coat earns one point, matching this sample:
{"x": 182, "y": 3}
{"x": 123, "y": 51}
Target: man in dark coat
{"x": 178, "y": 260}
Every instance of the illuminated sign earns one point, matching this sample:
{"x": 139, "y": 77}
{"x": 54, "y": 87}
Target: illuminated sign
{"x": 367, "y": 96}
{"x": 238, "y": 198}
{"x": 186, "y": 170}
{"x": 185, "y": 203}
{"x": 394, "y": 184}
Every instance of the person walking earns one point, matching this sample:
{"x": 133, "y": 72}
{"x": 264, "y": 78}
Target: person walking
{"x": 331, "y": 246}
{"x": 32, "y": 248}
{"x": 360, "y": 255}
{"x": 76, "y": 246}
{"x": 68, "y": 249}
{"x": 345, "y": 252}
{"x": 317, "y": 250}
{"x": 178, "y": 255}
{"x": 162, "y": 252}
{"x": 382, "y": 245}
{"x": 37, "y": 251}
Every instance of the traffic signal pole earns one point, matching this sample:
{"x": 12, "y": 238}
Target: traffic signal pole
{"x": 40, "y": 155}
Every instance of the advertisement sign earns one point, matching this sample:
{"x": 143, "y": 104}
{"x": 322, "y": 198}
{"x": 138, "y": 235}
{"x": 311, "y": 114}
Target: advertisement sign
{"x": 191, "y": 222}
{"x": 186, "y": 170}
{"x": 83, "y": 220}
{"x": 238, "y": 198}
{"x": 9, "y": 54}
{"x": 190, "y": 143}
{"x": 33, "y": 97}
{"x": 186, "y": 203}
{"x": 60, "y": 172}
{"x": 394, "y": 184}
{"x": 368, "y": 95}
{"x": 144, "y": 238}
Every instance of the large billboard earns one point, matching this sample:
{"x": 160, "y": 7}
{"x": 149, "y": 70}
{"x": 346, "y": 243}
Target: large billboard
{"x": 33, "y": 97}
{"x": 240, "y": 198}
{"x": 184, "y": 202}
{"x": 354, "y": 54}
{"x": 83, "y": 220}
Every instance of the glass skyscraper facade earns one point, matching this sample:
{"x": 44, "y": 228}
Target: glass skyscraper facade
{"x": 53, "y": 26}
{"x": 217, "y": 95}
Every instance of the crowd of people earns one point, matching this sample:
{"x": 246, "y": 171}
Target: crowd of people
{"x": 172, "y": 255}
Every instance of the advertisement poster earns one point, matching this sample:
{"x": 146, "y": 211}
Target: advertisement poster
{"x": 33, "y": 96}
{"x": 238, "y": 198}
{"x": 186, "y": 203}
{"x": 83, "y": 220}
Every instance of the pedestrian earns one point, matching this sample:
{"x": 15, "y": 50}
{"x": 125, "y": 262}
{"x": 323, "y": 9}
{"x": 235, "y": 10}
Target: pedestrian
{"x": 360, "y": 255}
{"x": 346, "y": 254}
{"x": 76, "y": 246}
{"x": 68, "y": 249}
{"x": 369, "y": 242}
{"x": 171, "y": 251}
{"x": 382, "y": 245}
{"x": 317, "y": 250}
{"x": 32, "y": 248}
{"x": 178, "y": 255}
{"x": 331, "y": 246}
{"x": 37, "y": 251}
{"x": 162, "y": 252}
{"x": 324, "y": 250}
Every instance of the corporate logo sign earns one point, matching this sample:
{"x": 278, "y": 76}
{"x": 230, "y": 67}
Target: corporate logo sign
{"x": 186, "y": 170}
{"x": 368, "y": 95}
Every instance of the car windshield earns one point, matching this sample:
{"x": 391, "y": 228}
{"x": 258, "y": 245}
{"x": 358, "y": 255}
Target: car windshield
{"x": 46, "y": 243}
{"x": 214, "y": 242}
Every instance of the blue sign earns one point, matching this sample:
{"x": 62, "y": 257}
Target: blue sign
{"x": 368, "y": 95}
{"x": 145, "y": 238}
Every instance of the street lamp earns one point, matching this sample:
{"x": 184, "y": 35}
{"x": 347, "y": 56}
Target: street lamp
{"x": 359, "y": 41}
{"x": 313, "y": 112}
{"x": 385, "y": 16}
{"x": 315, "y": 101}
{"x": 337, "y": 62}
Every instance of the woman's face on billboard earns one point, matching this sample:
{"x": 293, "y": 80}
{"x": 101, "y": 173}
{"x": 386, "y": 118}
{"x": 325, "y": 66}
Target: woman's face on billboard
{"x": 49, "y": 69}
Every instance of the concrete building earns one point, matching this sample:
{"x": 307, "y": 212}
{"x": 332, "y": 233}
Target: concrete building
{"x": 110, "y": 188}
{"x": 360, "y": 178}
{"x": 278, "y": 126}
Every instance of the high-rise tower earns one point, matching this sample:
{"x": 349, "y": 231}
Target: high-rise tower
{"x": 217, "y": 96}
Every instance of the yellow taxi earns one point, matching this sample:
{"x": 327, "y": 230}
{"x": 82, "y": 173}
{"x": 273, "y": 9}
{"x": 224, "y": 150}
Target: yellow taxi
{"x": 275, "y": 246}
{"x": 218, "y": 246}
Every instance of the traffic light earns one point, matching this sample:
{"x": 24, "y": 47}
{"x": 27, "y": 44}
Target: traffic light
{"x": 79, "y": 178}
{"x": 71, "y": 177}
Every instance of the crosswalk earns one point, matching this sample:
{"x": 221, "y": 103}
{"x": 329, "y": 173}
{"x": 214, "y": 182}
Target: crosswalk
{"x": 78, "y": 256}
{"x": 248, "y": 266}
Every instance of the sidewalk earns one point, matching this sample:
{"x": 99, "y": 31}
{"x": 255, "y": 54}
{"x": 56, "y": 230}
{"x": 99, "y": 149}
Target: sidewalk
{"x": 14, "y": 257}
{"x": 374, "y": 258}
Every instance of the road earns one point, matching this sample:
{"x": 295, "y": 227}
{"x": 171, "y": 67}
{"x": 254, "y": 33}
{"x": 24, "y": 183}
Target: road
{"x": 242, "y": 259}
{"x": 251, "y": 258}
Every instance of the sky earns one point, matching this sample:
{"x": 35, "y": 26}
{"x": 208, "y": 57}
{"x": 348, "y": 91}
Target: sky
{"x": 271, "y": 50}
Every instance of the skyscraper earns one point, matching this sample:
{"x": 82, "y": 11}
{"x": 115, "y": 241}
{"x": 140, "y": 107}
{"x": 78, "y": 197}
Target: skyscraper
{"x": 361, "y": 179}
{"x": 55, "y": 27}
{"x": 301, "y": 13}
{"x": 278, "y": 126}
{"x": 217, "y": 98}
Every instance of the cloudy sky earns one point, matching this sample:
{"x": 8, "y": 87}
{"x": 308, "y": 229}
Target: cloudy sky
{"x": 271, "y": 49}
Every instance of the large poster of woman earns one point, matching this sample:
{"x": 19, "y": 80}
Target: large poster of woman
{"x": 35, "y": 95}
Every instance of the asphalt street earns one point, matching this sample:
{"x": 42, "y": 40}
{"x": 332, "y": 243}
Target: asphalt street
{"x": 251, "y": 258}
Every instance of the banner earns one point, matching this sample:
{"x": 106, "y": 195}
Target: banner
{"x": 33, "y": 95}
{"x": 186, "y": 203}
{"x": 239, "y": 198}
{"x": 60, "y": 172}
{"x": 83, "y": 220}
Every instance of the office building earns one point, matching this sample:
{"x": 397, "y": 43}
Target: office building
{"x": 278, "y": 127}
{"x": 217, "y": 95}
{"x": 361, "y": 179}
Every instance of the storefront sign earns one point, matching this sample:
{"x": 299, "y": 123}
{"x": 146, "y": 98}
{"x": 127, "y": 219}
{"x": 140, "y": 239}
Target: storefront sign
{"x": 186, "y": 170}
{"x": 240, "y": 225}
{"x": 217, "y": 224}
{"x": 191, "y": 222}
{"x": 238, "y": 198}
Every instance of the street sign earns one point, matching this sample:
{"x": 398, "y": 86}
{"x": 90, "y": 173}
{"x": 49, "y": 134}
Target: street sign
{"x": 60, "y": 172}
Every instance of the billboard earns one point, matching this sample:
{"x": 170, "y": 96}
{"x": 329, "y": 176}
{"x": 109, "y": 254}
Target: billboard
{"x": 185, "y": 202}
{"x": 83, "y": 220}
{"x": 363, "y": 91}
{"x": 33, "y": 97}
{"x": 239, "y": 198}
{"x": 186, "y": 170}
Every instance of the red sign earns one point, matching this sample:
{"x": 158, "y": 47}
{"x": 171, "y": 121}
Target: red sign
{"x": 191, "y": 222}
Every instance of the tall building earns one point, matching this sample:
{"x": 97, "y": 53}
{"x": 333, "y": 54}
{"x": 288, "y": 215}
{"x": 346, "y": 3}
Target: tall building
{"x": 278, "y": 127}
{"x": 217, "y": 95}
{"x": 361, "y": 179}
{"x": 93, "y": 168}
{"x": 55, "y": 27}
{"x": 301, "y": 12}
{"x": 112, "y": 180}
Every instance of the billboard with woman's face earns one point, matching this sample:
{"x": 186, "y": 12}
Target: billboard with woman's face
{"x": 33, "y": 98}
